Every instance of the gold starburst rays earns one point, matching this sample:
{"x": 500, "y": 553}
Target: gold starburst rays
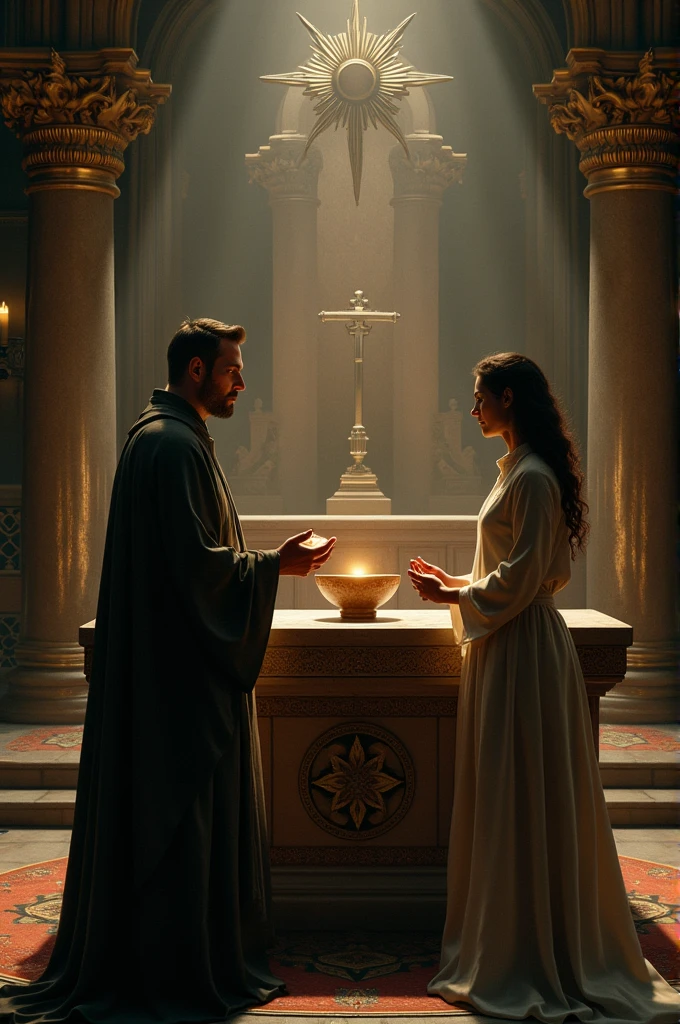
{"x": 356, "y": 77}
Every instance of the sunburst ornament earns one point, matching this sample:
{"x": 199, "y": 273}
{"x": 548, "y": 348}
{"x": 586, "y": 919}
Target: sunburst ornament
{"x": 356, "y": 77}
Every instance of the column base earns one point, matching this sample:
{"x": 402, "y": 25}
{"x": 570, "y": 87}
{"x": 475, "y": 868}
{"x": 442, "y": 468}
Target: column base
{"x": 650, "y": 691}
{"x": 358, "y": 504}
{"x": 358, "y": 495}
{"x": 48, "y": 685}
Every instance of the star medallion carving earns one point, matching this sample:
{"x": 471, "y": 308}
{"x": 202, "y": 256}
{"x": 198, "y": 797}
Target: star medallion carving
{"x": 356, "y": 781}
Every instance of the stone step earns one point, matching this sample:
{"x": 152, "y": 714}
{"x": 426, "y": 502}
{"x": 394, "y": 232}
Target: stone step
{"x": 44, "y": 808}
{"x": 40, "y": 808}
{"x": 38, "y": 774}
{"x": 660, "y": 771}
{"x": 652, "y": 770}
{"x": 644, "y": 807}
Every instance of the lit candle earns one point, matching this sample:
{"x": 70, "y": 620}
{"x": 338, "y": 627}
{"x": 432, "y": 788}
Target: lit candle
{"x": 4, "y": 323}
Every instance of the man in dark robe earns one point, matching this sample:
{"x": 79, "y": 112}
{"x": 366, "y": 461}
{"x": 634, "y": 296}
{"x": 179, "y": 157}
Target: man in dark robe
{"x": 166, "y": 909}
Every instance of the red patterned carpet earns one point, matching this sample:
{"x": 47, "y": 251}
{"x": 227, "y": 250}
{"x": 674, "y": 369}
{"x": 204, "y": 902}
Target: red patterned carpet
{"x": 51, "y": 737}
{"x": 639, "y": 737}
{"x": 612, "y": 737}
{"x": 334, "y": 973}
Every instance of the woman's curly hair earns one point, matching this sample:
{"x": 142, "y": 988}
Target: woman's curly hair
{"x": 541, "y": 423}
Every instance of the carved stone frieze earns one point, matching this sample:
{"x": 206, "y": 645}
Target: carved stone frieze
{"x": 75, "y": 124}
{"x": 361, "y": 661}
{"x": 89, "y": 655}
{"x": 454, "y": 468}
{"x": 602, "y": 661}
{"x": 357, "y": 707}
{"x": 429, "y": 170}
{"x": 332, "y": 856}
{"x": 255, "y": 470}
{"x": 625, "y": 126}
{"x": 283, "y": 170}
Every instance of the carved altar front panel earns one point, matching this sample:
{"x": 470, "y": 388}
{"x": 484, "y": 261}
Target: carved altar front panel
{"x": 360, "y": 723}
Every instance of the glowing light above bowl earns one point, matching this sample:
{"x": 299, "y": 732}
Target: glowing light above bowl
{"x": 358, "y": 572}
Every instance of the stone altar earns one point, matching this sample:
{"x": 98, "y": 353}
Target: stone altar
{"x": 358, "y": 726}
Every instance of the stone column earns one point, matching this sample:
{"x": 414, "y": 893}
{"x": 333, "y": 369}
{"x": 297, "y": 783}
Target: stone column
{"x": 75, "y": 125}
{"x": 622, "y": 113}
{"x": 419, "y": 184}
{"x": 292, "y": 185}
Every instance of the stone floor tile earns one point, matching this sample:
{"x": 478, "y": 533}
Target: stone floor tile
{"x": 664, "y": 796}
{"x": 628, "y": 796}
{"x": 66, "y": 797}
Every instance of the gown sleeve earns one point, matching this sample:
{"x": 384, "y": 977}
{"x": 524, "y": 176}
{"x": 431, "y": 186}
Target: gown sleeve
{"x": 227, "y": 596}
{"x": 536, "y": 515}
{"x": 456, "y": 620}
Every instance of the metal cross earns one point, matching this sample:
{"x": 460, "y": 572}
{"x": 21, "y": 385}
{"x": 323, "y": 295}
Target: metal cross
{"x": 359, "y": 322}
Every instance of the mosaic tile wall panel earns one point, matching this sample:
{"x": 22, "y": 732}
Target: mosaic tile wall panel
{"x": 9, "y": 634}
{"x": 10, "y": 539}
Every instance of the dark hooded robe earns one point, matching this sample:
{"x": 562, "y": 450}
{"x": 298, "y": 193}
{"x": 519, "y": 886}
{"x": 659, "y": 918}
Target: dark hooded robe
{"x": 166, "y": 908}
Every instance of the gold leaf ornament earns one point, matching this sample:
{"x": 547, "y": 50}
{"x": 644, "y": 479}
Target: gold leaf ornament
{"x": 55, "y": 97}
{"x": 356, "y": 77}
{"x": 651, "y": 97}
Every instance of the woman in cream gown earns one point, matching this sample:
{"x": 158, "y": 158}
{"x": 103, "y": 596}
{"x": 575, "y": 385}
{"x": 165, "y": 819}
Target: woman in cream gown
{"x": 538, "y": 923}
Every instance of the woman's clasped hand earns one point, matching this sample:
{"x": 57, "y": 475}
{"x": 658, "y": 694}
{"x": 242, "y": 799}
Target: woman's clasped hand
{"x": 434, "y": 584}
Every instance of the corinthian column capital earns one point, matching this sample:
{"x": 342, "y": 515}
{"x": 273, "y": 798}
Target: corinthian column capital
{"x": 76, "y": 113}
{"x": 623, "y": 113}
{"x": 428, "y": 170}
{"x": 283, "y": 169}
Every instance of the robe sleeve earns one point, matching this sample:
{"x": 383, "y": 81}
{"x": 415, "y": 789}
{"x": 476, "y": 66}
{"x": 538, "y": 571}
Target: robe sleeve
{"x": 489, "y": 603}
{"x": 456, "y": 620}
{"x": 227, "y": 596}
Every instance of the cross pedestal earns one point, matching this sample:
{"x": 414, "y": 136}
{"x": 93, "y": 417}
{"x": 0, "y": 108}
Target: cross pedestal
{"x": 358, "y": 493}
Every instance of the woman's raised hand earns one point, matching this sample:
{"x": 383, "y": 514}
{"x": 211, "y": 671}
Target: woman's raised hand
{"x": 433, "y": 570}
{"x": 429, "y": 586}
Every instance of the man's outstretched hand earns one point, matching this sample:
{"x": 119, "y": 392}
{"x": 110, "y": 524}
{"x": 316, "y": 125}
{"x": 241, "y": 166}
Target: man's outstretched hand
{"x": 298, "y": 560}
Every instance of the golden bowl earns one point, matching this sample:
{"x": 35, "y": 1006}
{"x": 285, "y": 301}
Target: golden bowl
{"x": 358, "y": 597}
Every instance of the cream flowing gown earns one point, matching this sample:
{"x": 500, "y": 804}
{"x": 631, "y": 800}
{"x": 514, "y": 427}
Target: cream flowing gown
{"x": 538, "y": 923}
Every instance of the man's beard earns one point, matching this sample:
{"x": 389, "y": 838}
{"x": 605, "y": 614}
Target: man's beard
{"x": 214, "y": 401}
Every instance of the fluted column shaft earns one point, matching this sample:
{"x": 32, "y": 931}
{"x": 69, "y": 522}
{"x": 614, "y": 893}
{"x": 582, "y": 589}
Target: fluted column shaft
{"x": 419, "y": 184}
{"x": 632, "y": 441}
{"x": 626, "y": 129}
{"x": 70, "y": 445}
{"x": 72, "y": 156}
{"x": 292, "y": 186}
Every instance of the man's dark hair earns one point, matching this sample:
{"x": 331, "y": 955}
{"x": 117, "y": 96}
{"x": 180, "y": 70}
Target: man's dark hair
{"x": 200, "y": 338}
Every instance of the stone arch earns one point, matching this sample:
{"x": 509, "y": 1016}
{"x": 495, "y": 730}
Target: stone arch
{"x": 295, "y": 113}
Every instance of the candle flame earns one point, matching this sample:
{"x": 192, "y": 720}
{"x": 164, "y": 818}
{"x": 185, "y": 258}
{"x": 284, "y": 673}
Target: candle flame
{"x": 358, "y": 571}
